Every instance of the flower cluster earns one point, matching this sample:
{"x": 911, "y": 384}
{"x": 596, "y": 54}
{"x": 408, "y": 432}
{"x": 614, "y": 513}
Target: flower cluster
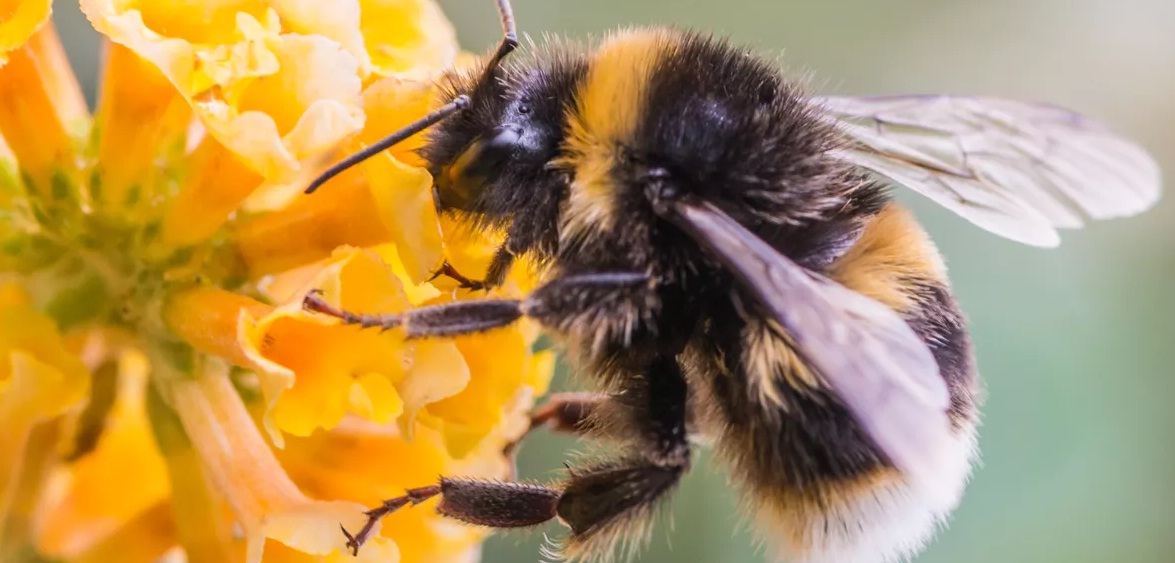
{"x": 161, "y": 388}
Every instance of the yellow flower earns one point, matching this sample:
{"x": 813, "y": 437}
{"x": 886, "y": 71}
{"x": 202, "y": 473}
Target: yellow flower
{"x": 161, "y": 388}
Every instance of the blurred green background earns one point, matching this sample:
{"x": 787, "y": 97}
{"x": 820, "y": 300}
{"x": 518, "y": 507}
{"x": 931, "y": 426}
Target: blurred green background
{"x": 1077, "y": 344}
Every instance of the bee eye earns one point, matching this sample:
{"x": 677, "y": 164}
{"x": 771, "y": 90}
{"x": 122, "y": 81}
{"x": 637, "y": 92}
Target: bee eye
{"x": 524, "y": 109}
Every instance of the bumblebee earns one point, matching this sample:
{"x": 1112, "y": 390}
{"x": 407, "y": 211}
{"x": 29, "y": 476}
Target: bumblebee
{"x": 722, "y": 258}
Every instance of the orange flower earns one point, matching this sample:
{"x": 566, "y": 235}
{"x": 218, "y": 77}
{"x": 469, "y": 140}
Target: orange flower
{"x": 153, "y": 259}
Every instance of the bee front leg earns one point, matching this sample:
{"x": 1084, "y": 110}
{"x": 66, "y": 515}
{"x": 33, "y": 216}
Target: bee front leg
{"x": 469, "y": 317}
{"x": 495, "y": 275}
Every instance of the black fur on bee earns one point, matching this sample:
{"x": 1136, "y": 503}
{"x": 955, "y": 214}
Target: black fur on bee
{"x": 574, "y": 153}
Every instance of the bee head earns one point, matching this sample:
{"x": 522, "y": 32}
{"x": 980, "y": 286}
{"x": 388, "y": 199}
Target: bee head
{"x": 493, "y": 157}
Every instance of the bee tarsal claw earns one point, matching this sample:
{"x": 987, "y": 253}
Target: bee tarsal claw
{"x": 355, "y": 541}
{"x": 473, "y": 285}
{"x": 352, "y": 543}
{"x": 463, "y": 282}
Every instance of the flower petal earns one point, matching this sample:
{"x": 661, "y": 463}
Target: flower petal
{"x": 39, "y": 377}
{"x": 467, "y": 250}
{"x": 324, "y": 465}
{"x": 388, "y": 201}
{"x": 202, "y": 517}
{"x": 22, "y": 483}
{"x": 88, "y": 508}
{"x": 305, "y": 108}
{"x": 144, "y": 539}
{"x": 312, "y": 528}
{"x": 351, "y": 212}
{"x": 497, "y": 363}
{"x": 404, "y": 202}
{"x": 19, "y": 20}
{"x": 373, "y": 397}
{"x": 219, "y": 181}
{"x": 327, "y": 358}
{"x": 438, "y": 371}
{"x": 270, "y": 98}
{"x": 209, "y": 319}
{"x": 408, "y": 38}
{"x": 140, "y": 116}
{"x": 243, "y": 469}
{"x": 41, "y": 104}
{"x": 39, "y": 380}
{"x": 12, "y": 293}
{"x": 418, "y": 291}
{"x": 393, "y": 102}
{"x": 196, "y": 21}
{"x": 337, "y": 20}
{"x": 9, "y": 174}
{"x": 224, "y": 324}
{"x": 310, "y": 366}
{"x": 539, "y": 371}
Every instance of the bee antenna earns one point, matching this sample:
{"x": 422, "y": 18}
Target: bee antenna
{"x": 505, "y": 47}
{"x": 458, "y": 104}
{"x": 509, "y": 40}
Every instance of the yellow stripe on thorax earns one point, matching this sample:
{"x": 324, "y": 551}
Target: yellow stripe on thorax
{"x": 609, "y": 107}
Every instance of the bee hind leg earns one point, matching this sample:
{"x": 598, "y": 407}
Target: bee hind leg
{"x": 597, "y": 501}
{"x": 493, "y": 504}
{"x": 614, "y": 501}
{"x": 602, "y": 502}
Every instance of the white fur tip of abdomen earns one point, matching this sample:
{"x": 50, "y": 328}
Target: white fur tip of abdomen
{"x": 888, "y": 523}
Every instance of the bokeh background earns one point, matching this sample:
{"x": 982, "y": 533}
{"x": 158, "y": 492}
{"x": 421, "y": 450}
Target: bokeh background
{"x": 1077, "y": 344}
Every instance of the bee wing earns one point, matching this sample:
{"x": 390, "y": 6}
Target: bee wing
{"x": 1018, "y": 169}
{"x": 862, "y": 350}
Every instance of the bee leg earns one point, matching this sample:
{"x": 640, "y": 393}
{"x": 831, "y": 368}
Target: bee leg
{"x": 562, "y": 412}
{"x": 447, "y": 319}
{"x": 495, "y": 275}
{"x": 547, "y": 304}
{"x": 592, "y": 502}
{"x": 598, "y": 502}
{"x": 581, "y": 413}
{"x": 479, "y": 502}
{"x": 526, "y": 234}
{"x": 463, "y": 282}
{"x": 605, "y": 501}
{"x": 499, "y": 267}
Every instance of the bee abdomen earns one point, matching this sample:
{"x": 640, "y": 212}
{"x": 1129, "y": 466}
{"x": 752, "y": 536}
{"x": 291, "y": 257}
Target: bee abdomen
{"x": 822, "y": 491}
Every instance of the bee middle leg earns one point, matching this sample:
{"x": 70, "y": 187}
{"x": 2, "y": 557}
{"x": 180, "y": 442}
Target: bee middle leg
{"x": 562, "y": 412}
{"x": 596, "y": 415}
